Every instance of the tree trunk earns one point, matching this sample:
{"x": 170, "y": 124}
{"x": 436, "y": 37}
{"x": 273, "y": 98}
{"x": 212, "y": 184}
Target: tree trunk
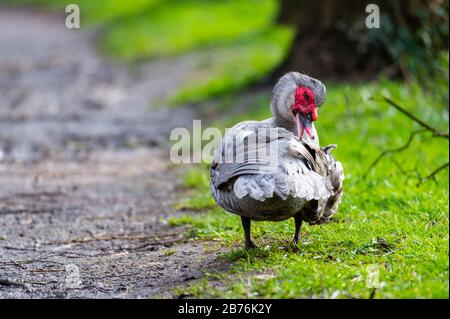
{"x": 333, "y": 42}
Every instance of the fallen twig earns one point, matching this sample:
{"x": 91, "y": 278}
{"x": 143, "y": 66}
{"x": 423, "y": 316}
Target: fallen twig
{"x": 47, "y": 270}
{"x": 8, "y": 211}
{"x": 111, "y": 237}
{"x": 9, "y": 283}
{"x": 31, "y": 261}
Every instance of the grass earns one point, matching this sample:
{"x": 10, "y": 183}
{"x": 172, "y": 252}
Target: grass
{"x": 236, "y": 42}
{"x": 388, "y": 222}
{"x": 174, "y": 27}
{"x": 233, "y": 67}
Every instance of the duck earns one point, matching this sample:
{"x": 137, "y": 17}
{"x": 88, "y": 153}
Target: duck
{"x": 275, "y": 169}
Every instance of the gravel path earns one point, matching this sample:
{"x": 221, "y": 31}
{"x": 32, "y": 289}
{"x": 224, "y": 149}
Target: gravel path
{"x": 85, "y": 181}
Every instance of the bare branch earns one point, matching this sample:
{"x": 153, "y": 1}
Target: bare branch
{"x": 394, "y": 150}
{"x": 433, "y": 173}
{"x": 426, "y": 126}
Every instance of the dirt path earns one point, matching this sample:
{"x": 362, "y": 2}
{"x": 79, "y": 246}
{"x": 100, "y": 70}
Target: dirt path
{"x": 85, "y": 182}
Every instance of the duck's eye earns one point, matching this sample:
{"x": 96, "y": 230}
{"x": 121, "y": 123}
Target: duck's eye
{"x": 306, "y": 96}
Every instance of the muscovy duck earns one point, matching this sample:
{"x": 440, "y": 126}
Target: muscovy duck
{"x": 275, "y": 169}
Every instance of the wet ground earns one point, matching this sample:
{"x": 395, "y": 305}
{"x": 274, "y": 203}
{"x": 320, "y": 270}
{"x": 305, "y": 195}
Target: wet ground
{"x": 86, "y": 185}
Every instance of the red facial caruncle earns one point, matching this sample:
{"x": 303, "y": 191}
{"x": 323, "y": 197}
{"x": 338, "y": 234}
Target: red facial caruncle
{"x": 304, "y": 110}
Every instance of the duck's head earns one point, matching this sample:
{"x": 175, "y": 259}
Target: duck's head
{"x": 294, "y": 102}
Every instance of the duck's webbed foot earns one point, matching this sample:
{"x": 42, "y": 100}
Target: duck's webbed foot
{"x": 249, "y": 245}
{"x": 246, "y": 223}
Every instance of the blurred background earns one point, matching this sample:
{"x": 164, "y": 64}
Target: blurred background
{"x": 136, "y": 69}
{"x": 246, "y": 42}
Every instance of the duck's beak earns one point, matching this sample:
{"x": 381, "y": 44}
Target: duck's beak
{"x": 304, "y": 124}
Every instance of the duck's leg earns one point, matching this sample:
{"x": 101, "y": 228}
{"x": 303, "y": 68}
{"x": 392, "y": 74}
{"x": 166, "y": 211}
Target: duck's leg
{"x": 298, "y": 226}
{"x": 246, "y": 222}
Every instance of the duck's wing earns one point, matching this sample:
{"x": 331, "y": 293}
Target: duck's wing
{"x": 267, "y": 161}
{"x": 245, "y": 149}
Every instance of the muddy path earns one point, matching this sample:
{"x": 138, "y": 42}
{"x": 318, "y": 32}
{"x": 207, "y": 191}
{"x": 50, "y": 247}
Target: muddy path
{"x": 86, "y": 185}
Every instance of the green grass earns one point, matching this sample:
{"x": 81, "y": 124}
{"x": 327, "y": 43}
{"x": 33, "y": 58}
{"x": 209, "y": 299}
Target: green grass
{"x": 388, "y": 221}
{"x": 174, "y": 27}
{"x": 233, "y": 67}
{"x": 237, "y": 42}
